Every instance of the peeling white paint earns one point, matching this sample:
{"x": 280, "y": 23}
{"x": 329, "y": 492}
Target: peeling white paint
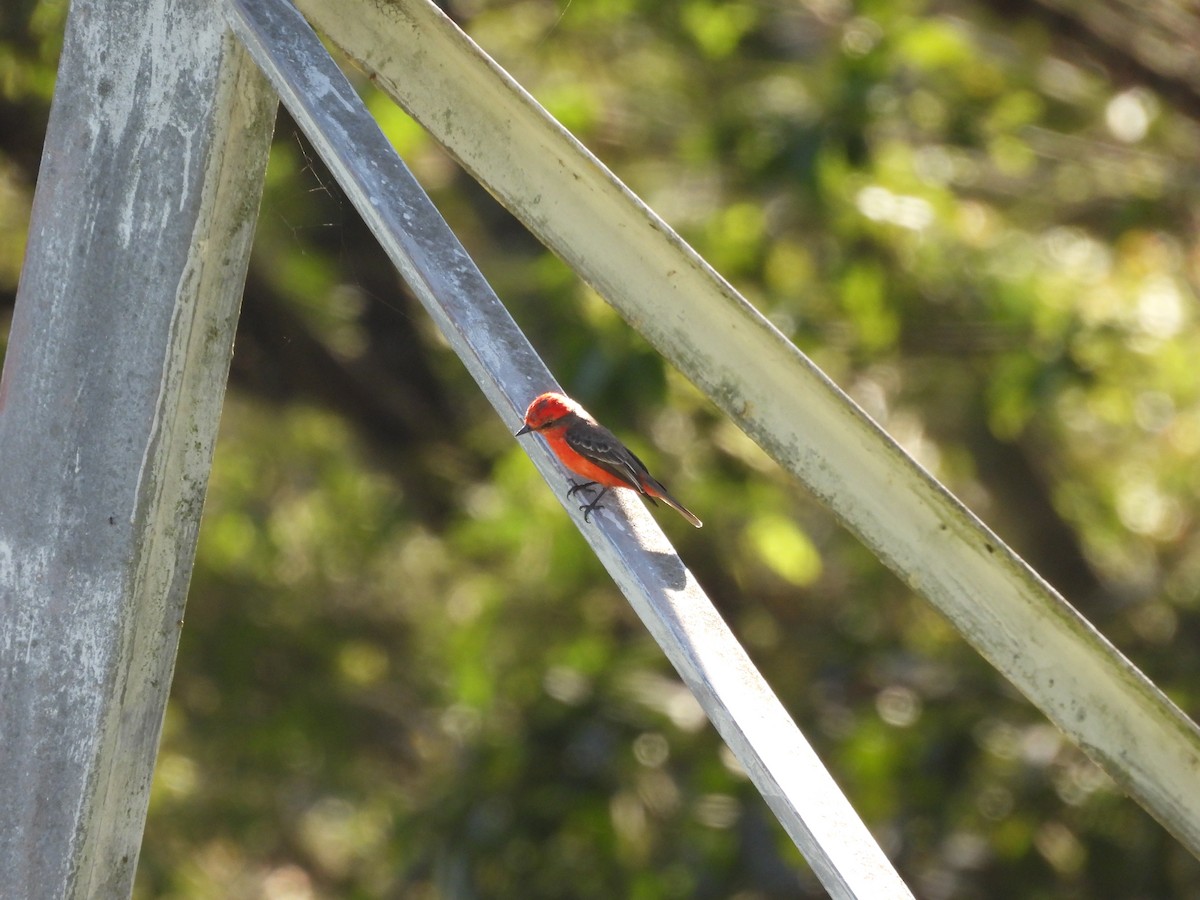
{"x": 20, "y": 573}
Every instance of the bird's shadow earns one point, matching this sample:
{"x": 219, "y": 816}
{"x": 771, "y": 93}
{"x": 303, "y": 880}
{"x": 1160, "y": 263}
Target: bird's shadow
{"x": 669, "y": 567}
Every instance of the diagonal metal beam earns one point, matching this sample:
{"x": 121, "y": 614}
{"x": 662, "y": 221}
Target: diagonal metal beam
{"x": 663, "y": 592}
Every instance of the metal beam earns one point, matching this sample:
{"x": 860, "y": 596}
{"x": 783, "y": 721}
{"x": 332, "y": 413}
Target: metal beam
{"x": 109, "y": 402}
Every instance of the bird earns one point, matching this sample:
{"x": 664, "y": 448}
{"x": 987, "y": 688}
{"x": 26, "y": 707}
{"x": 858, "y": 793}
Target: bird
{"x": 589, "y": 449}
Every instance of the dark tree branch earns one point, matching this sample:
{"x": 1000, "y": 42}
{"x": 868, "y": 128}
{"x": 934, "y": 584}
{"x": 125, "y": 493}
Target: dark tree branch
{"x": 1156, "y": 45}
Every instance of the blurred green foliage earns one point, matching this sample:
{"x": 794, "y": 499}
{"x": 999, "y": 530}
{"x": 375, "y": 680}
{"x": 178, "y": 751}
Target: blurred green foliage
{"x": 402, "y": 672}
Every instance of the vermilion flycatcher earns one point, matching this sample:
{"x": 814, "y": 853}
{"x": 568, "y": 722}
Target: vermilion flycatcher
{"x": 585, "y": 446}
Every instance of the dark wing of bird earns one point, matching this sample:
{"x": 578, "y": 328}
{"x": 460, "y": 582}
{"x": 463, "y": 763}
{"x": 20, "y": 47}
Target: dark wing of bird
{"x": 603, "y": 448}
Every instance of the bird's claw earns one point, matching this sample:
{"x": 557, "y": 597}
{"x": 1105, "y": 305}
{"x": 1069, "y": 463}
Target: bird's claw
{"x": 575, "y": 488}
{"x": 588, "y": 508}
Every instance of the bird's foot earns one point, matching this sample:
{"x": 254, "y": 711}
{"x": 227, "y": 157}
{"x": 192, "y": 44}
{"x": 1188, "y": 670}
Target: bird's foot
{"x": 576, "y": 488}
{"x": 588, "y": 508}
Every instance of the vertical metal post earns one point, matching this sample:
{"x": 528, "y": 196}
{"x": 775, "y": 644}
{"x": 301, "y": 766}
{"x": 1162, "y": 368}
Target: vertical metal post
{"x": 109, "y": 402}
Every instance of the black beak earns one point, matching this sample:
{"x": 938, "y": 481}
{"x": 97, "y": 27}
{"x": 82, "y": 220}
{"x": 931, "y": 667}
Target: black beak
{"x": 524, "y": 430}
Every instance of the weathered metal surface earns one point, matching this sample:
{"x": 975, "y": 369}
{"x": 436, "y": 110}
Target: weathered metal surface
{"x": 109, "y": 401}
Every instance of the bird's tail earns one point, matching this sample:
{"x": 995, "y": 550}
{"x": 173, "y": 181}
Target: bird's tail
{"x": 653, "y": 488}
